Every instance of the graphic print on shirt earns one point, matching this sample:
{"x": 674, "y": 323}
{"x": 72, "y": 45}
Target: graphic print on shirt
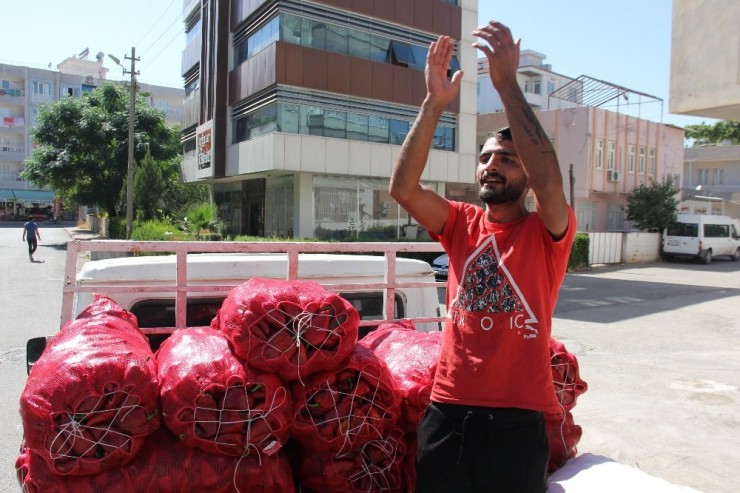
{"x": 487, "y": 287}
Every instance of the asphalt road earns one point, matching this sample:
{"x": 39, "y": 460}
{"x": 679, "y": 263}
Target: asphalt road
{"x": 656, "y": 343}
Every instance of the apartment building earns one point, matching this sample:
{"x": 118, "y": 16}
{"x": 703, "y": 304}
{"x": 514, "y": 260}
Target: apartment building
{"x": 23, "y": 90}
{"x": 705, "y": 82}
{"x": 295, "y": 110}
{"x": 711, "y": 183}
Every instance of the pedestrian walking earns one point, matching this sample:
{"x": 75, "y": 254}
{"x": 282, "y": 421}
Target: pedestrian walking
{"x": 32, "y": 236}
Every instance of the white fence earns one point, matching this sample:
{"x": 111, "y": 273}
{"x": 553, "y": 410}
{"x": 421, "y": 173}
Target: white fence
{"x": 623, "y": 248}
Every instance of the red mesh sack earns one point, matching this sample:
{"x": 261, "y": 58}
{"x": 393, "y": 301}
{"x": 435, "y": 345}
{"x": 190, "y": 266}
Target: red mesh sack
{"x": 165, "y": 464}
{"x": 411, "y": 357}
{"x": 376, "y": 466}
{"x": 565, "y": 375}
{"x": 92, "y": 397}
{"x": 291, "y": 328}
{"x": 212, "y": 400}
{"x": 563, "y": 435}
{"x": 341, "y": 410}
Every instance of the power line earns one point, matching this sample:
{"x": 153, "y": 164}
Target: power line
{"x": 155, "y": 23}
{"x": 153, "y": 58}
{"x": 166, "y": 30}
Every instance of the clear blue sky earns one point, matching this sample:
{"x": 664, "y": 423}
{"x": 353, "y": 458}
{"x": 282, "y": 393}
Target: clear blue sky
{"x": 627, "y": 43}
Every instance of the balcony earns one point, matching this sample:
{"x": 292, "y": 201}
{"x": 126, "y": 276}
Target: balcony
{"x": 11, "y": 96}
{"x": 12, "y": 153}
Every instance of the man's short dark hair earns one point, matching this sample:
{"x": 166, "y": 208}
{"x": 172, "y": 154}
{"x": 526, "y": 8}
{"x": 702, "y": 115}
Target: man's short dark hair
{"x": 30, "y": 218}
{"x": 500, "y": 134}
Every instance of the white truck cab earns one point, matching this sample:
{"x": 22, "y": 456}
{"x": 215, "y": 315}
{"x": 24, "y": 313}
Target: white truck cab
{"x": 357, "y": 278}
{"x": 701, "y": 236}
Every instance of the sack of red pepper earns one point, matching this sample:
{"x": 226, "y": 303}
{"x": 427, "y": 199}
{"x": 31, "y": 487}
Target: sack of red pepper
{"x": 275, "y": 395}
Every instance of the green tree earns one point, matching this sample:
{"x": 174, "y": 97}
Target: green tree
{"x": 149, "y": 187}
{"x": 653, "y": 206}
{"x": 82, "y": 149}
{"x": 179, "y": 196}
{"x": 720, "y": 132}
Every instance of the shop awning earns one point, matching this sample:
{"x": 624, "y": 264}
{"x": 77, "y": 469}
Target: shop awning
{"x": 34, "y": 195}
{"x": 6, "y": 194}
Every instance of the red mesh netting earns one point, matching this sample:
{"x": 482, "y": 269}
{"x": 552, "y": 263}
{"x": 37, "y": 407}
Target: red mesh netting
{"x": 562, "y": 432}
{"x": 92, "y": 397}
{"x": 411, "y": 357}
{"x": 213, "y": 400}
{"x": 291, "y": 328}
{"x": 341, "y": 410}
{"x": 165, "y": 464}
{"x": 563, "y": 435}
{"x": 565, "y": 375}
{"x": 374, "y": 467}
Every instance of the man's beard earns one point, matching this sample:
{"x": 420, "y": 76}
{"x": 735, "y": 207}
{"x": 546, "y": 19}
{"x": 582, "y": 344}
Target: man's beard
{"x": 508, "y": 193}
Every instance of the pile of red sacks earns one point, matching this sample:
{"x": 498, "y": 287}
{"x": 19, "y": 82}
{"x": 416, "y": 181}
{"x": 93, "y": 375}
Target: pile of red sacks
{"x": 277, "y": 392}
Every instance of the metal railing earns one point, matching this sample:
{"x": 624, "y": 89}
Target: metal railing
{"x": 182, "y": 287}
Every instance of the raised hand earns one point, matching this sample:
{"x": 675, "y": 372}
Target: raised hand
{"x": 501, "y": 50}
{"x": 441, "y": 90}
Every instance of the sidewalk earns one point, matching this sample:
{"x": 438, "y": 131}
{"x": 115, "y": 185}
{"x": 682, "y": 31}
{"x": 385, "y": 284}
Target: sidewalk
{"x": 76, "y": 233}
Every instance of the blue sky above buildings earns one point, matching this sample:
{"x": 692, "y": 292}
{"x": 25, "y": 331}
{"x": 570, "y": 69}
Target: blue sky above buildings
{"x": 626, "y": 43}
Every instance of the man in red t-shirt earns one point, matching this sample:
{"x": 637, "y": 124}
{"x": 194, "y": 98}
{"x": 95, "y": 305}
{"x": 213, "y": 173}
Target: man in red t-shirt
{"x": 484, "y": 430}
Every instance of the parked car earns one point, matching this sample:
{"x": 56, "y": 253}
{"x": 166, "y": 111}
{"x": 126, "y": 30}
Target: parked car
{"x": 702, "y": 237}
{"x": 440, "y": 266}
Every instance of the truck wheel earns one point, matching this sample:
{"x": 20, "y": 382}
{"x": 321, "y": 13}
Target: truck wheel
{"x": 707, "y": 259}
{"x": 735, "y": 256}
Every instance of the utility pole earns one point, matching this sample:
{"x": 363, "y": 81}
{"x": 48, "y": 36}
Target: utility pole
{"x": 131, "y": 162}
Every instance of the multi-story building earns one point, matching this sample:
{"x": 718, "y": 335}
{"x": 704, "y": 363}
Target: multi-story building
{"x": 23, "y": 90}
{"x": 605, "y": 153}
{"x": 711, "y": 180}
{"x": 705, "y": 82}
{"x": 295, "y": 110}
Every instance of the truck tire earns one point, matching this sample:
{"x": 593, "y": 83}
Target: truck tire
{"x": 707, "y": 258}
{"x": 735, "y": 256}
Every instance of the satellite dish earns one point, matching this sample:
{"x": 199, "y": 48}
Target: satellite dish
{"x": 99, "y": 57}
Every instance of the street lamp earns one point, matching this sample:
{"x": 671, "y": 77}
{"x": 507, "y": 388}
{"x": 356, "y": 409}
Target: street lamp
{"x": 131, "y": 162}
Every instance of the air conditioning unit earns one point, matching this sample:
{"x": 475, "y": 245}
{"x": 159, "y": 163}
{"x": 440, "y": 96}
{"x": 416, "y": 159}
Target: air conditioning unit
{"x": 613, "y": 175}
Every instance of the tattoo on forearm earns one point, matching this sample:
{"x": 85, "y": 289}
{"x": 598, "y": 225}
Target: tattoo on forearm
{"x": 536, "y": 133}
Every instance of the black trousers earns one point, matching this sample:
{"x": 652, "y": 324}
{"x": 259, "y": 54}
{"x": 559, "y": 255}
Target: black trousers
{"x": 32, "y": 245}
{"x": 479, "y": 449}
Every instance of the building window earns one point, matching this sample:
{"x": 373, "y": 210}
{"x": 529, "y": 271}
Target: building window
{"x": 615, "y": 217}
{"x": 325, "y": 122}
{"x": 537, "y": 86}
{"x": 400, "y": 54}
{"x": 550, "y": 87}
{"x": 718, "y": 176}
{"x": 703, "y": 176}
{"x": 651, "y": 162}
{"x": 41, "y": 88}
{"x": 631, "y": 161}
{"x": 73, "y": 92}
{"x": 641, "y": 161}
{"x": 335, "y": 38}
{"x": 599, "y": 154}
{"x": 610, "y": 160}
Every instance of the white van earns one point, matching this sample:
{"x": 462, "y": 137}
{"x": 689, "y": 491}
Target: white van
{"x": 701, "y": 236}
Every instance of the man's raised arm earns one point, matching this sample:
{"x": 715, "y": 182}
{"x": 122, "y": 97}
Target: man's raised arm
{"x": 532, "y": 144}
{"x": 425, "y": 205}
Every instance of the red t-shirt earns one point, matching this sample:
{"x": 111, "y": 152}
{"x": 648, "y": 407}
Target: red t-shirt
{"x": 502, "y": 287}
